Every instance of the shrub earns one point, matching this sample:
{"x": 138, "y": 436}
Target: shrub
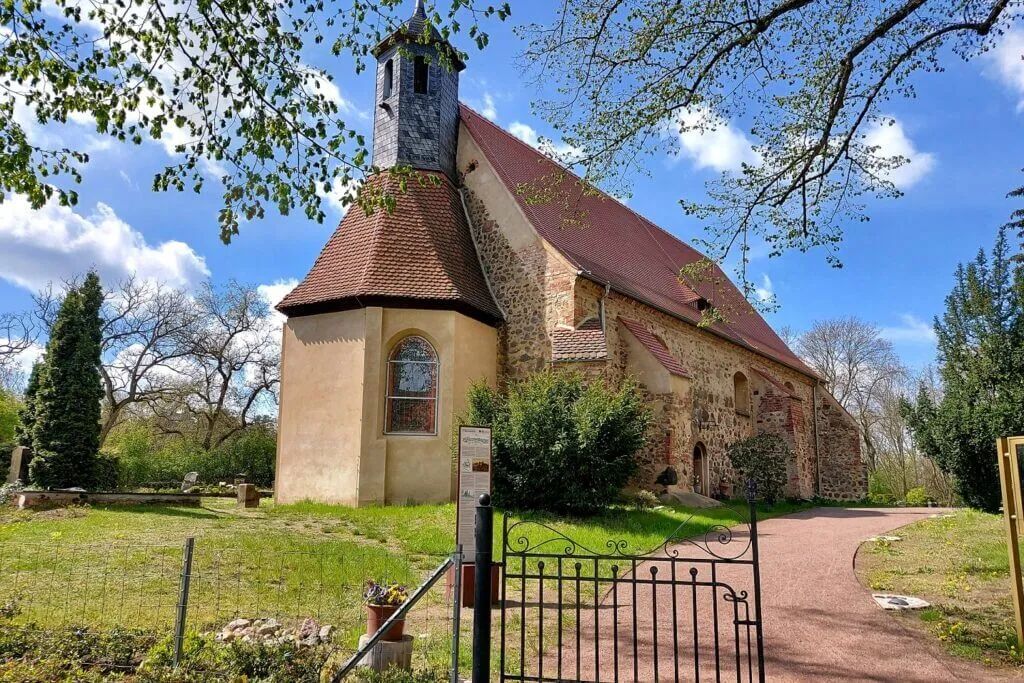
{"x": 142, "y": 461}
{"x": 917, "y": 497}
{"x": 645, "y": 500}
{"x": 561, "y": 443}
{"x": 764, "y": 458}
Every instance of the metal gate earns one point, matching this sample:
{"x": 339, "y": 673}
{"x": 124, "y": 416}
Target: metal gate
{"x": 689, "y": 609}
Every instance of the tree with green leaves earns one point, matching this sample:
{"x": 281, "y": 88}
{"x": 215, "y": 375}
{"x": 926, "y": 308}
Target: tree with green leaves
{"x": 562, "y": 443}
{"x": 66, "y": 433}
{"x": 808, "y": 79}
{"x": 224, "y": 85}
{"x": 980, "y": 338}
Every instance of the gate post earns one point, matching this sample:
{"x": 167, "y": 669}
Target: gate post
{"x": 483, "y": 537}
{"x": 752, "y": 501}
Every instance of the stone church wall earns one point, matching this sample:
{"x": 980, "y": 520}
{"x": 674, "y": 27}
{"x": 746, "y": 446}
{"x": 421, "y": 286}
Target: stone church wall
{"x": 539, "y": 291}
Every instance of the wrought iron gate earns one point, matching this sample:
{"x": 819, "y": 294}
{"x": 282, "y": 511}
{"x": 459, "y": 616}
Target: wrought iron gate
{"x": 689, "y": 609}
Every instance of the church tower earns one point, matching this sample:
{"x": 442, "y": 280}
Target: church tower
{"x": 395, "y": 319}
{"x": 416, "y": 115}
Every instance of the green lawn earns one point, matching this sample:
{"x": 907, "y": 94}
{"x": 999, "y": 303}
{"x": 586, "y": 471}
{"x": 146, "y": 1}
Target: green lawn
{"x": 960, "y": 565}
{"x": 120, "y": 566}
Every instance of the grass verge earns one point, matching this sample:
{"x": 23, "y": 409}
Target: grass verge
{"x": 960, "y": 565}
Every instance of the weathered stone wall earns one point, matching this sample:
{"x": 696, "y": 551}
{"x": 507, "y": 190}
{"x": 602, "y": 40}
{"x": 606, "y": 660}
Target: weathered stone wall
{"x": 539, "y": 291}
{"x": 844, "y": 475}
{"x": 708, "y": 415}
{"x": 530, "y": 282}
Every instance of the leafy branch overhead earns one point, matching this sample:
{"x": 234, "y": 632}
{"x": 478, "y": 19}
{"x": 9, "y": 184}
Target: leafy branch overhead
{"x": 224, "y": 83}
{"x": 809, "y": 77}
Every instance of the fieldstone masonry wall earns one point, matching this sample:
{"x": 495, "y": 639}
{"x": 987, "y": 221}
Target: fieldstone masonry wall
{"x": 531, "y": 285}
{"x": 843, "y": 473}
{"x": 539, "y": 292}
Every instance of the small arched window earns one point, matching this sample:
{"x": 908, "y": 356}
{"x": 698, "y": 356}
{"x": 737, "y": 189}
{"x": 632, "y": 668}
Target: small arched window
{"x": 412, "y": 388}
{"x": 741, "y": 393}
{"x": 789, "y": 387}
{"x": 389, "y": 77}
{"x": 420, "y": 73}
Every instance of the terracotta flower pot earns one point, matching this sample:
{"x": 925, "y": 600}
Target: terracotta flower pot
{"x": 376, "y": 615}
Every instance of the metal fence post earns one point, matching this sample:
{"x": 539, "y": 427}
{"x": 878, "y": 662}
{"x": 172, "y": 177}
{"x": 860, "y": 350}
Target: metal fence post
{"x": 752, "y": 500}
{"x": 183, "y": 586}
{"x": 457, "y": 614}
{"x": 484, "y": 538}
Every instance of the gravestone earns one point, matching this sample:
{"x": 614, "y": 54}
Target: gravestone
{"x": 248, "y": 496}
{"x": 19, "y": 464}
{"x": 189, "y": 481}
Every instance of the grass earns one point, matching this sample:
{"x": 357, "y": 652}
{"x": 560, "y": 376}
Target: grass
{"x": 121, "y": 565}
{"x": 960, "y": 565}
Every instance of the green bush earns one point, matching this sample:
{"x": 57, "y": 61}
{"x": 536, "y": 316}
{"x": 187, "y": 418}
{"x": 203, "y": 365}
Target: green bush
{"x": 763, "y": 457}
{"x": 561, "y": 443}
{"x": 641, "y": 499}
{"x": 142, "y": 461}
{"x": 917, "y": 497}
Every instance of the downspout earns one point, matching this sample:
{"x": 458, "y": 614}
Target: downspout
{"x": 817, "y": 443}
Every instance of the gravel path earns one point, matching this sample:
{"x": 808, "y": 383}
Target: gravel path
{"x": 820, "y": 623}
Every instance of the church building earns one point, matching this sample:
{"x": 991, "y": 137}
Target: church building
{"x": 468, "y": 280}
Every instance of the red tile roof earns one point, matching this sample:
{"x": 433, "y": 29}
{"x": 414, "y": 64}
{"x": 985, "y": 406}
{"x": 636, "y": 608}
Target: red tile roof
{"x": 653, "y": 344}
{"x": 775, "y": 381}
{"x": 615, "y": 245}
{"x": 421, "y": 254}
{"x": 585, "y": 343}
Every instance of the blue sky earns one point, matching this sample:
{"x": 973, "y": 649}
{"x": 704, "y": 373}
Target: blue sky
{"x": 963, "y": 134}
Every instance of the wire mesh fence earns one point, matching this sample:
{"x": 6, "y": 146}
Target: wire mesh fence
{"x": 301, "y": 595}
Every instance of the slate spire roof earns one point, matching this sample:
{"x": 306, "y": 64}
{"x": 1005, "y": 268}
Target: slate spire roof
{"x": 411, "y": 30}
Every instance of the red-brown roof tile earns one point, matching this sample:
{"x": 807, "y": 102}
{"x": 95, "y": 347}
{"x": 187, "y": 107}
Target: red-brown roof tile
{"x": 774, "y": 381}
{"x": 422, "y": 253}
{"x": 585, "y": 343}
{"x": 617, "y": 246}
{"x": 655, "y": 345}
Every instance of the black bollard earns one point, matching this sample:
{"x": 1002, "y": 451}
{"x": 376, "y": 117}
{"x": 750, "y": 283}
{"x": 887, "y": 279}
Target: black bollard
{"x": 484, "y": 537}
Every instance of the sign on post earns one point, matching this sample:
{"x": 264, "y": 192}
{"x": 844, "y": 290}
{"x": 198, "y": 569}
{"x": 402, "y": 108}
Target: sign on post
{"x": 1010, "y": 452}
{"x": 474, "y": 480}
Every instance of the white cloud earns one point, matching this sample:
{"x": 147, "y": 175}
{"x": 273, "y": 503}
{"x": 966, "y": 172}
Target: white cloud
{"x": 55, "y": 243}
{"x": 559, "y": 152}
{"x": 273, "y": 293}
{"x": 1007, "y": 63}
{"x": 127, "y": 180}
{"x": 912, "y": 330}
{"x": 712, "y": 142}
{"x": 489, "y": 109}
{"x": 766, "y": 292}
{"x": 342, "y": 191}
{"x": 893, "y": 146}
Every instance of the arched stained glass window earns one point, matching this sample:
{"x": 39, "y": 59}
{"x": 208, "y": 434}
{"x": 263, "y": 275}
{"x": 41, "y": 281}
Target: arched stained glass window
{"x": 412, "y": 388}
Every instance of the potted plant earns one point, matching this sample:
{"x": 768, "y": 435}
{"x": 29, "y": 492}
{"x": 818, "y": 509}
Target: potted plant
{"x": 696, "y": 483}
{"x": 383, "y": 600}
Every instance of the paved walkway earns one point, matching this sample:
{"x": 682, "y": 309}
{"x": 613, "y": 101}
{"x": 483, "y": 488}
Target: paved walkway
{"x": 819, "y": 621}
{"x": 820, "y": 624}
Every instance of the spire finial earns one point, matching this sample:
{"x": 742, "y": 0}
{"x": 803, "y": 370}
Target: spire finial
{"x": 420, "y": 11}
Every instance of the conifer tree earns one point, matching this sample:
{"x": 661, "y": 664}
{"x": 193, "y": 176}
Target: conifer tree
{"x": 27, "y": 414}
{"x": 66, "y": 433}
{"x": 1017, "y": 220}
{"x": 980, "y": 338}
